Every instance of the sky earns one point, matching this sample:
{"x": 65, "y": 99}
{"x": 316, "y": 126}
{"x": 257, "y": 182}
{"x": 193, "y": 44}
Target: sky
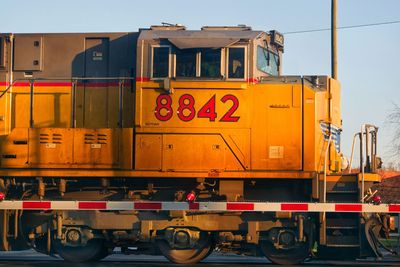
{"x": 368, "y": 57}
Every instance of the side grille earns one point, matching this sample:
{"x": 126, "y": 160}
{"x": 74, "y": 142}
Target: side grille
{"x": 99, "y": 138}
{"x": 54, "y": 138}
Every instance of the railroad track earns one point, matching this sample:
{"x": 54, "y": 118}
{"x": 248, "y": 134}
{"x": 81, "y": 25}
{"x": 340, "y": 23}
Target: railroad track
{"x": 31, "y": 258}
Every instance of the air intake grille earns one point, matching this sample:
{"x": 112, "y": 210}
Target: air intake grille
{"x": 99, "y": 138}
{"x": 54, "y": 138}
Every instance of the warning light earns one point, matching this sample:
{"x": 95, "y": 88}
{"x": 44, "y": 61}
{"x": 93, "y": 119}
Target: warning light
{"x": 376, "y": 200}
{"x": 2, "y": 196}
{"x": 190, "y": 197}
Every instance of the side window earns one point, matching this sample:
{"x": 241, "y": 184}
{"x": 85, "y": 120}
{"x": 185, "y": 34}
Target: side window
{"x": 186, "y": 63}
{"x": 236, "y": 63}
{"x": 267, "y": 61}
{"x": 160, "y": 62}
{"x": 210, "y": 63}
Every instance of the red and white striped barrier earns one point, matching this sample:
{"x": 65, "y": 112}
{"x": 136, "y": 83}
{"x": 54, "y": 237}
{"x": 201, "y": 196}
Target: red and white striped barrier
{"x": 199, "y": 206}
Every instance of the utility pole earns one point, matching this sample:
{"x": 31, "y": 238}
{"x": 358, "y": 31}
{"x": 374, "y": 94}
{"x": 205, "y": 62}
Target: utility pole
{"x": 334, "y": 41}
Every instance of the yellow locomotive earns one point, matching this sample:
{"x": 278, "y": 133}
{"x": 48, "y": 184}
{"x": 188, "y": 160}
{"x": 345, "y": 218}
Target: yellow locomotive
{"x": 168, "y": 114}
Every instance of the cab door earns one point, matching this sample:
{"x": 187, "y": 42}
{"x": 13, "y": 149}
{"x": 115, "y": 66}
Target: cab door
{"x": 96, "y": 101}
{"x": 277, "y": 127}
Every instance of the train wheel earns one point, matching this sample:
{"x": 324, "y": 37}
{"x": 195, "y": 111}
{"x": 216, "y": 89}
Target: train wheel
{"x": 186, "y": 256}
{"x": 285, "y": 257}
{"x": 94, "y": 250}
{"x": 289, "y": 252}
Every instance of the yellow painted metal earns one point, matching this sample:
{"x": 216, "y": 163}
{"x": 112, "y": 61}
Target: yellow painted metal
{"x": 125, "y": 149}
{"x": 96, "y": 107}
{"x": 14, "y": 149}
{"x": 336, "y": 119}
{"x": 269, "y": 127}
{"x": 197, "y": 152}
{"x": 276, "y": 127}
{"x": 148, "y": 153}
{"x": 370, "y": 177}
{"x": 336, "y": 100}
{"x": 52, "y": 106}
{"x": 101, "y": 172}
{"x": 96, "y": 148}
{"x": 50, "y": 146}
{"x": 275, "y": 130}
{"x": 352, "y": 177}
{"x": 68, "y": 148}
{"x": 4, "y": 113}
{"x": 321, "y": 106}
{"x": 312, "y": 135}
{"x": 148, "y": 93}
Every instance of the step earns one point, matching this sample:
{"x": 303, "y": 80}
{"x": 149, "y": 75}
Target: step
{"x": 343, "y": 246}
{"x": 342, "y": 198}
{"x": 342, "y": 222}
{"x": 342, "y": 192}
{"x": 342, "y": 227}
{"x": 342, "y": 241}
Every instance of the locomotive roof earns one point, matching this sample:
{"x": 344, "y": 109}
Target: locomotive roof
{"x": 184, "y": 39}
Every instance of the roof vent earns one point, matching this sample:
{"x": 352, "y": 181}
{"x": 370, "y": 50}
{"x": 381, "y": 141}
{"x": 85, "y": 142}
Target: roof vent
{"x": 239, "y": 27}
{"x": 167, "y": 26}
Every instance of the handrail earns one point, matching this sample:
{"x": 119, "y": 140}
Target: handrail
{"x": 325, "y": 163}
{"x": 65, "y": 79}
{"x": 362, "y": 163}
{"x": 352, "y": 151}
{"x": 73, "y": 80}
{"x": 31, "y": 98}
{"x": 369, "y": 131}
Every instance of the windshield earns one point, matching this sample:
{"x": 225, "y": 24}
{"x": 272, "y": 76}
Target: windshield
{"x": 267, "y": 61}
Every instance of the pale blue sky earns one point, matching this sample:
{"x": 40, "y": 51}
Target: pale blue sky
{"x": 369, "y": 57}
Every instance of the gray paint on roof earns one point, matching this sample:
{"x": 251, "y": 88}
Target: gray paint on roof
{"x": 223, "y": 34}
{"x": 187, "y": 43}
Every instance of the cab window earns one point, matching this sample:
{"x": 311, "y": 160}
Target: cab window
{"x": 160, "y": 64}
{"x": 267, "y": 61}
{"x": 186, "y": 63}
{"x": 236, "y": 62}
{"x": 210, "y": 63}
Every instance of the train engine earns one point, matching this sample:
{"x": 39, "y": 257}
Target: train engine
{"x": 172, "y": 141}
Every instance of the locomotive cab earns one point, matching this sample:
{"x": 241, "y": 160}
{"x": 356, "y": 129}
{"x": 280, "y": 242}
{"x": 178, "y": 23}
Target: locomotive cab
{"x": 214, "y": 53}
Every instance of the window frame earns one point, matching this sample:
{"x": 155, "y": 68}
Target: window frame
{"x": 269, "y": 51}
{"x": 152, "y": 61}
{"x": 220, "y": 64}
{"x": 175, "y": 64}
{"x": 198, "y": 64}
{"x": 246, "y": 63}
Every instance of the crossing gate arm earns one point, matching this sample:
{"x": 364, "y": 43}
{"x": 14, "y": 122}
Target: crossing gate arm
{"x": 199, "y": 206}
